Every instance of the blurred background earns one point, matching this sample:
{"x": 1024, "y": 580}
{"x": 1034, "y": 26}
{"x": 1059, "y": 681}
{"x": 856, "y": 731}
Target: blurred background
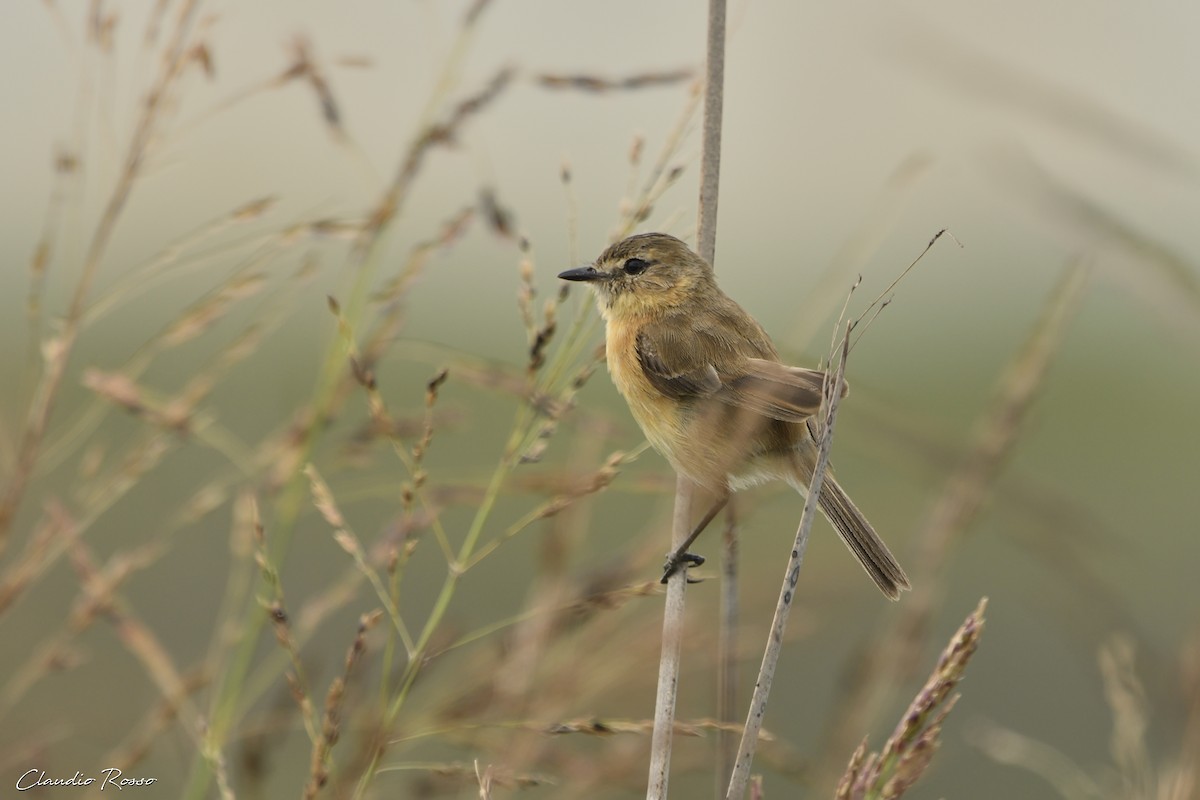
{"x": 188, "y": 185}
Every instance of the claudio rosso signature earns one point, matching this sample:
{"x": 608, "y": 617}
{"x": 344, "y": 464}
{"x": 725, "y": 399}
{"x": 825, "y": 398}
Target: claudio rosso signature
{"x": 110, "y": 778}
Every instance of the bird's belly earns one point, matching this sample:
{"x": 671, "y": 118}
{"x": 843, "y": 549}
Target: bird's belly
{"x": 661, "y": 418}
{"x": 657, "y": 415}
{"x": 715, "y": 445}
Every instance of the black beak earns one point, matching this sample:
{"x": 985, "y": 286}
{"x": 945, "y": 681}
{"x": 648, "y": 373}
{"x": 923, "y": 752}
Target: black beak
{"x": 588, "y": 273}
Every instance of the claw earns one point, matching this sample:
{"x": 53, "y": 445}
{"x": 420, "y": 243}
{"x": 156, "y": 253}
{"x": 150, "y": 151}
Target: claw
{"x": 677, "y": 560}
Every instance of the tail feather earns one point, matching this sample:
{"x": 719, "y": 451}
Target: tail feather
{"x": 862, "y": 540}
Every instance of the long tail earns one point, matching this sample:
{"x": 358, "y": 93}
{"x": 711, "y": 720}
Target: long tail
{"x": 862, "y": 540}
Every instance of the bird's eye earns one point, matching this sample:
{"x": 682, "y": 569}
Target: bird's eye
{"x": 635, "y": 265}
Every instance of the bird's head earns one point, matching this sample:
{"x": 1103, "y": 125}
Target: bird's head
{"x": 645, "y": 274}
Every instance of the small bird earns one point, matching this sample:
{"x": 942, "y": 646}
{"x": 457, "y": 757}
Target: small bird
{"x": 706, "y": 385}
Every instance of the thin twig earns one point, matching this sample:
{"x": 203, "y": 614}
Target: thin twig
{"x": 879, "y": 303}
{"x": 787, "y": 592}
{"x": 710, "y": 157}
{"x": 727, "y": 672}
{"x": 672, "y": 637}
{"x": 892, "y": 657}
{"x": 668, "y": 668}
{"x": 710, "y": 171}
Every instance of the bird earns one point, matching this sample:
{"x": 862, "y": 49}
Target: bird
{"x": 707, "y": 387}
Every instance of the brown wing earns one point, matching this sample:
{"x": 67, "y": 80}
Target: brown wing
{"x": 673, "y": 368}
{"x": 791, "y": 394}
{"x": 698, "y": 364}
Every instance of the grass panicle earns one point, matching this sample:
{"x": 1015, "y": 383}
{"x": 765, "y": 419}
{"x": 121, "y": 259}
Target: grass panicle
{"x": 907, "y": 753}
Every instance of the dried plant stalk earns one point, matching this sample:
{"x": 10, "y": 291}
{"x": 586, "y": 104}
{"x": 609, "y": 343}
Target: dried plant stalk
{"x": 893, "y": 656}
{"x": 787, "y": 594}
{"x": 668, "y": 669}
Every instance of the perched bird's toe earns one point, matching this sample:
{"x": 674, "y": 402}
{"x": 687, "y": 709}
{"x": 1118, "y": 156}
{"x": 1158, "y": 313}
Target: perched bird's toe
{"x": 677, "y": 560}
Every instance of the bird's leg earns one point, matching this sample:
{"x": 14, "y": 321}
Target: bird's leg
{"x": 680, "y": 555}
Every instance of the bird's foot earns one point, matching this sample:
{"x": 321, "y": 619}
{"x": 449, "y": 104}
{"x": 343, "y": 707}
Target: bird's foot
{"x": 677, "y": 560}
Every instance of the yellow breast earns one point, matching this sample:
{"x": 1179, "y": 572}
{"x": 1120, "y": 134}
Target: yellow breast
{"x": 657, "y": 415}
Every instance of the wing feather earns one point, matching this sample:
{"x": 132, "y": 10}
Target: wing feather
{"x": 791, "y": 394}
{"x": 687, "y": 370}
{"x": 672, "y": 372}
